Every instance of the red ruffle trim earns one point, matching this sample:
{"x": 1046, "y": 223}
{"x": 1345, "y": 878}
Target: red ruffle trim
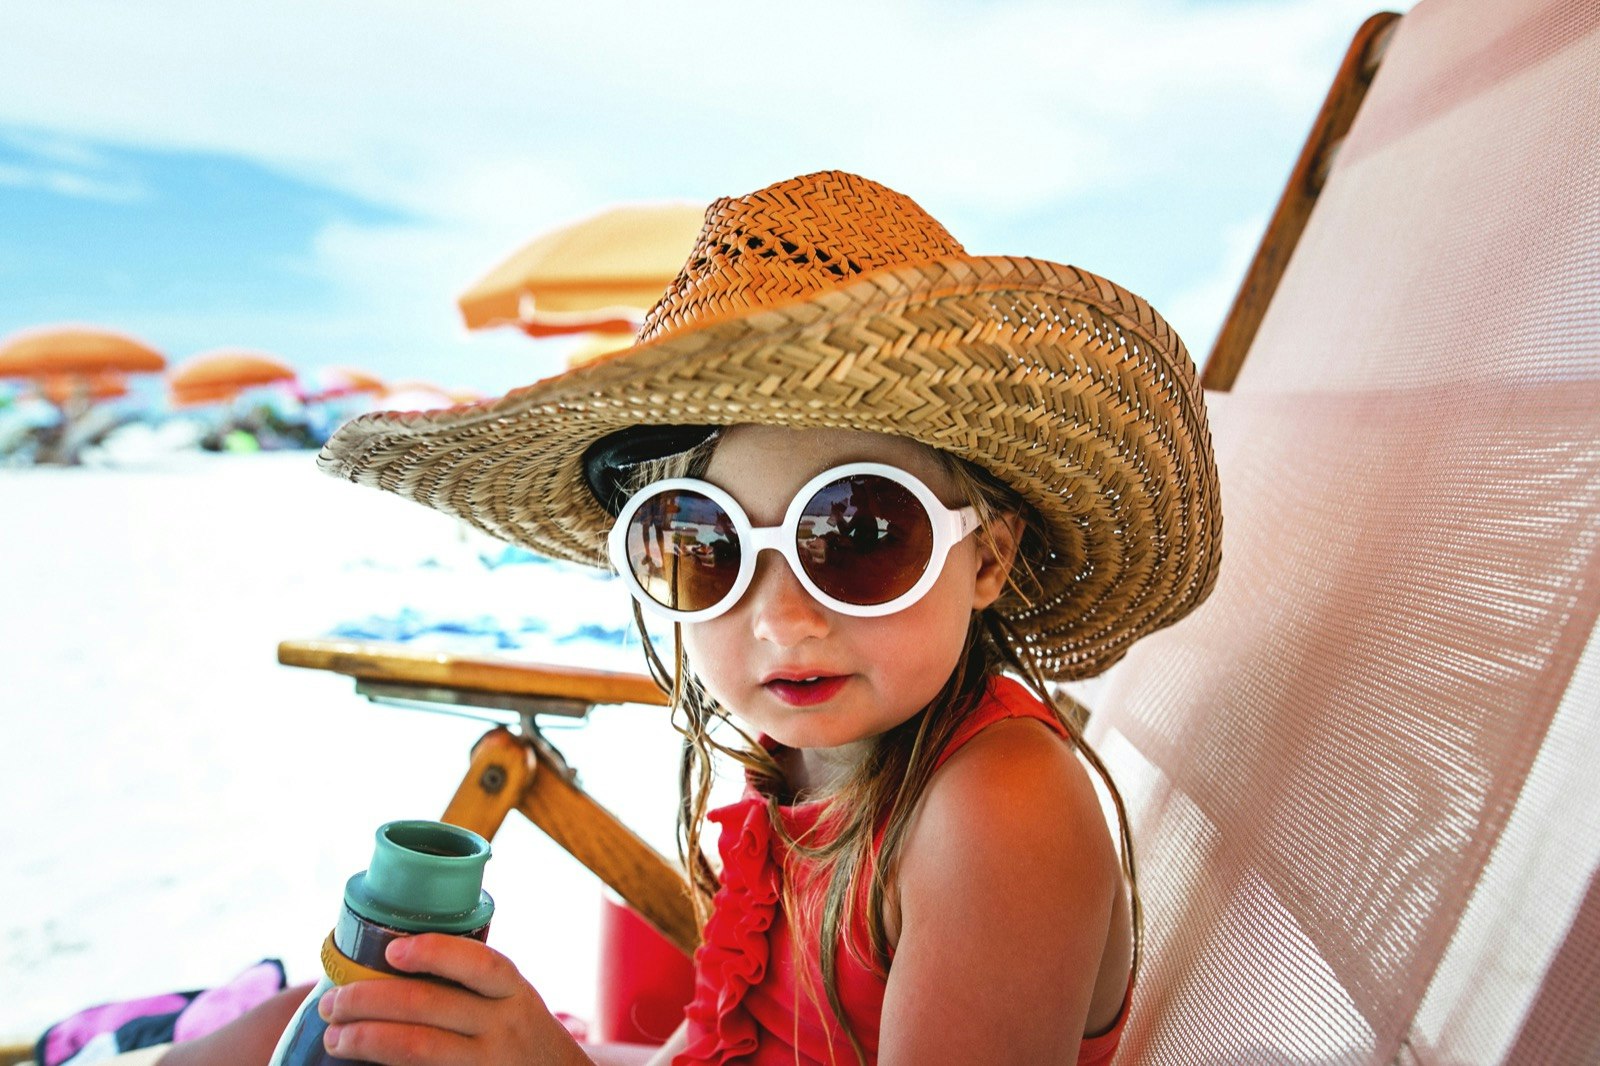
{"x": 733, "y": 957}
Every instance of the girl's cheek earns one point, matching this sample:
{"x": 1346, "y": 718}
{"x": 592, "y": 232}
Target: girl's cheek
{"x": 704, "y": 654}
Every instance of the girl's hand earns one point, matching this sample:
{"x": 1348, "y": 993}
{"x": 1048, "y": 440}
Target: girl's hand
{"x": 494, "y": 1017}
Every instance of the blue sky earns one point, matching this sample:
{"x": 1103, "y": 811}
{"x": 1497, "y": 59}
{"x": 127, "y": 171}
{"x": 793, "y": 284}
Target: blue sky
{"x": 320, "y": 180}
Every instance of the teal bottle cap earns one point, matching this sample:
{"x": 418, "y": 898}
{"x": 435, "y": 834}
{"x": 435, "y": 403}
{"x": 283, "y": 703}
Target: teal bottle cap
{"x": 425, "y": 877}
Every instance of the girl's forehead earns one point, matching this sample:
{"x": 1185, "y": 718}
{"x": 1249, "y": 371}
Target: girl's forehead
{"x": 777, "y": 456}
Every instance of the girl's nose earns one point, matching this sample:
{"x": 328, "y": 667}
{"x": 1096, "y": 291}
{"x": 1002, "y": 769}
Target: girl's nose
{"x": 782, "y": 611}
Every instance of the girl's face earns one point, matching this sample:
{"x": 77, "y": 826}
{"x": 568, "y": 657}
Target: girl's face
{"x": 875, "y": 672}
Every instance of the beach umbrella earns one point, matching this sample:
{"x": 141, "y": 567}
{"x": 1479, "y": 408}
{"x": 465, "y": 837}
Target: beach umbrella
{"x": 73, "y": 351}
{"x": 600, "y": 274}
{"x": 219, "y": 376}
{"x": 71, "y": 367}
{"x": 75, "y": 366}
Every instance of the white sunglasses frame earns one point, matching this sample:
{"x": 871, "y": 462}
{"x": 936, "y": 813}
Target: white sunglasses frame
{"x": 951, "y": 525}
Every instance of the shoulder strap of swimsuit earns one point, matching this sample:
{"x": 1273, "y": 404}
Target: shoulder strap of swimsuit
{"x": 1005, "y": 697}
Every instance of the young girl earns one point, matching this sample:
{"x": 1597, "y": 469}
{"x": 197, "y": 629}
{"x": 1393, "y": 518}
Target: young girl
{"x": 978, "y": 475}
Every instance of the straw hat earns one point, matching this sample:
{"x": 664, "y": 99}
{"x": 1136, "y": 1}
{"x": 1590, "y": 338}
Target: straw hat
{"x": 830, "y": 301}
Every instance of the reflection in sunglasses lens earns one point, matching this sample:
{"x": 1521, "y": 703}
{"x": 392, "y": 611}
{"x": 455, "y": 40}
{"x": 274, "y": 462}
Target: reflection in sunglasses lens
{"x": 865, "y": 539}
{"x": 683, "y": 550}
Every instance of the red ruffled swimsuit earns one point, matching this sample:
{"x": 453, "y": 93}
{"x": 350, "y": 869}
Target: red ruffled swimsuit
{"x": 747, "y": 972}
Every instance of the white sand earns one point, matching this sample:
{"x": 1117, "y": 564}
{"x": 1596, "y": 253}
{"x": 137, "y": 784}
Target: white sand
{"x": 177, "y": 805}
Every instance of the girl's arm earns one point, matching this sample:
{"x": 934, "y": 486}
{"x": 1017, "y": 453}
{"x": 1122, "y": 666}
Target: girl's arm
{"x": 1005, "y": 887}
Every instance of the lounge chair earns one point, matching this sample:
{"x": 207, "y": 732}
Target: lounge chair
{"x": 1361, "y": 775}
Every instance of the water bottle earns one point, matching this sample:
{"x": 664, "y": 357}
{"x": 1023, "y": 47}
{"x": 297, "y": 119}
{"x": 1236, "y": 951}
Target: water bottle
{"x": 425, "y": 877}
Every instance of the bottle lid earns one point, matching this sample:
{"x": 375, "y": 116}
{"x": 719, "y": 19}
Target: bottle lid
{"x": 425, "y": 877}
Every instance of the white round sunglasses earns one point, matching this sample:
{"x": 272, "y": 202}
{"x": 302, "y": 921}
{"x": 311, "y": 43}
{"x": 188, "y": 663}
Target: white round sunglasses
{"x": 864, "y": 539}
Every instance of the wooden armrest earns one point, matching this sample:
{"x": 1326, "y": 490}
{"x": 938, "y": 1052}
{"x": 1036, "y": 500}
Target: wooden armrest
{"x": 387, "y": 662}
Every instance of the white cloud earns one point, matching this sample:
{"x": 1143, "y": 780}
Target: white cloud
{"x": 55, "y": 149}
{"x": 65, "y": 182}
{"x": 65, "y": 167}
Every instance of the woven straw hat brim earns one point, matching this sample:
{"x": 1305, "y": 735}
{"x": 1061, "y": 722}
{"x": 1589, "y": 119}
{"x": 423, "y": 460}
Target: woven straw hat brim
{"x": 1066, "y": 386}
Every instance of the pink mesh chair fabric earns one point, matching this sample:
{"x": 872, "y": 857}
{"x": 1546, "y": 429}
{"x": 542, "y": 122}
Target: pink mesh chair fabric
{"x": 1362, "y": 776}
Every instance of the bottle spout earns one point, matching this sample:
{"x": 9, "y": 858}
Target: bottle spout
{"x": 424, "y": 877}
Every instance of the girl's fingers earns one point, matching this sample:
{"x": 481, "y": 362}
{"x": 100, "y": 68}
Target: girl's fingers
{"x": 397, "y": 1043}
{"x": 415, "y": 1003}
{"x": 469, "y": 963}
{"x": 486, "y": 1014}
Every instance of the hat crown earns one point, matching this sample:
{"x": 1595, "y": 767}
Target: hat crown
{"x": 791, "y": 240}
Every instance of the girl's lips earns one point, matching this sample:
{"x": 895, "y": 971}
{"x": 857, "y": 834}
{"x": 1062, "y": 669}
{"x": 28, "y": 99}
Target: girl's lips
{"x": 806, "y": 693}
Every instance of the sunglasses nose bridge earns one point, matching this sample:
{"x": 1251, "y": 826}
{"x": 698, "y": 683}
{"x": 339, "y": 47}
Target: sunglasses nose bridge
{"x": 775, "y": 539}
{"x": 767, "y": 538}
{"x": 783, "y": 608}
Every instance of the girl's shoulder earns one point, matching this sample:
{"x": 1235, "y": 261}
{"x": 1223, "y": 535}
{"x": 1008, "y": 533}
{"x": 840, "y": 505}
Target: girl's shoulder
{"x": 1010, "y": 784}
{"x": 1008, "y": 878}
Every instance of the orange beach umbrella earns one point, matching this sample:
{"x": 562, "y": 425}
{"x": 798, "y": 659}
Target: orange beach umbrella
{"x": 214, "y": 377}
{"x": 72, "y": 351}
{"x": 76, "y": 366}
{"x": 600, "y": 274}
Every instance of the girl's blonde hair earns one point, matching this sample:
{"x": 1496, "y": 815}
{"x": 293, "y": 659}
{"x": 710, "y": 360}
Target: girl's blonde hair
{"x": 885, "y": 789}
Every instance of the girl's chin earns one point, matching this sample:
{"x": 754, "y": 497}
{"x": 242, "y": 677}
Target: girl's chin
{"x": 798, "y": 727}
{"x": 814, "y": 730}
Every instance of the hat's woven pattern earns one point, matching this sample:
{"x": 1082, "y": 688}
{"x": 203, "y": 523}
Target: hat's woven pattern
{"x": 793, "y": 239}
{"x": 1069, "y": 388}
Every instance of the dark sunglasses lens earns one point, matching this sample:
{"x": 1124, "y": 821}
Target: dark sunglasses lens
{"x": 865, "y": 539}
{"x": 683, "y": 550}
